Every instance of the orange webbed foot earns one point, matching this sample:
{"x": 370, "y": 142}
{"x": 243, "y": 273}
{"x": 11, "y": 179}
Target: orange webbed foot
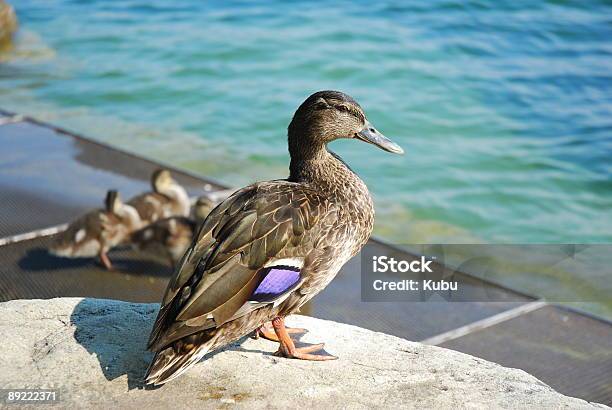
{"x": 287, "y": 347}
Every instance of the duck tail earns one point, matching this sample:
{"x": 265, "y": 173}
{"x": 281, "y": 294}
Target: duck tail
{"x": 174, "y": 360}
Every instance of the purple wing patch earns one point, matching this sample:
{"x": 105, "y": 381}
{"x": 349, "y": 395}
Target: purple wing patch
{"x": 277, "y": 281}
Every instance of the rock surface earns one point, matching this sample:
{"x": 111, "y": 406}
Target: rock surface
{"x": 93, "y": 352}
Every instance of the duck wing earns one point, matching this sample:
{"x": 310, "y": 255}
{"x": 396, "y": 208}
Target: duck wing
{"x": 230, "y": 255}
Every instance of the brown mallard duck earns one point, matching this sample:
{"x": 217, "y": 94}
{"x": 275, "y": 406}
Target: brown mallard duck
{"x": 172, "y": 236}
{"x": 168, "y": 199}
{"x": 96, "y": 232}
{"x": 271, "y": 246}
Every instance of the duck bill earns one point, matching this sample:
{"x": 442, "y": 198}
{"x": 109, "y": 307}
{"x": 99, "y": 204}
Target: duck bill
{"x": 371, "y": 135}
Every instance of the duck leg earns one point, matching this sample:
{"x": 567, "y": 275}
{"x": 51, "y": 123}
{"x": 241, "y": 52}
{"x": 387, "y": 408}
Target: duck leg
{"x": 287, "y": 347}
{"x": 267, "y": 332}
{"x": 105, "y": 261}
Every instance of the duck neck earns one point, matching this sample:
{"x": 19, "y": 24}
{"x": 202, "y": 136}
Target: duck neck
{"x": 319, "y": 167}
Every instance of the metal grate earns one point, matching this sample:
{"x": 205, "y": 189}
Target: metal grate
{"x": 570, "y": 352}
{"x": 30, "y": 272}
{"x": 48, "y": 177}
{"x": 341, "y": 301}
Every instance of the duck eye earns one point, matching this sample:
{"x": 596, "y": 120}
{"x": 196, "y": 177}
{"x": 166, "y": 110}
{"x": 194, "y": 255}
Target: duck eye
{"x": 342, "y": 108}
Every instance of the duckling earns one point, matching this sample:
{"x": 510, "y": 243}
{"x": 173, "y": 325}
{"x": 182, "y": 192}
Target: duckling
{"x": 202, "y": 207}
{"x": 96, "y": 232}
{"x": 172, "y": 236}
{"x": 168, "y": 199}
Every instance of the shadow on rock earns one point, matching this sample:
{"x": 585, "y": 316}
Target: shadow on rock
{"x": 116, "y": 335}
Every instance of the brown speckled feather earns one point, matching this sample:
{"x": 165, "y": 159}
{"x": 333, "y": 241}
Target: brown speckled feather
{"x": 255, "y": 225}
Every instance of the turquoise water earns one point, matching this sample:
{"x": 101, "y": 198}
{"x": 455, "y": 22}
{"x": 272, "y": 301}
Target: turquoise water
{"x": 504, "y": 108}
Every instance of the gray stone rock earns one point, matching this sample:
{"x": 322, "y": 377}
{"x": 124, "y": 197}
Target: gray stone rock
{"x": 93, "y": 352}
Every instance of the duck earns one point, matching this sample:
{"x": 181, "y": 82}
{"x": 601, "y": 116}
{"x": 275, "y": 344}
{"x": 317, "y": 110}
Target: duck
{"x": 167, "y": 199}
{"x": 270, "y": 246}
{"x": 172, "y": 236}
{"x": 98, "y": 231}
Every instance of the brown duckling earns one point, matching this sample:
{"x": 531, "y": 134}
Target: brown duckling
{"x": 168, "y": 199}
{"x": 171, "y": 236}
{"x": 201, "y": 208}
{"x": 96, "y": 232}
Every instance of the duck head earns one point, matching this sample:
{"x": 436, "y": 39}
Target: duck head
{"x": 329, "y": 115}
{"x": 112, "y": 202}
{"x": 162, "y": 181}
{"x": 128, "y": 214}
